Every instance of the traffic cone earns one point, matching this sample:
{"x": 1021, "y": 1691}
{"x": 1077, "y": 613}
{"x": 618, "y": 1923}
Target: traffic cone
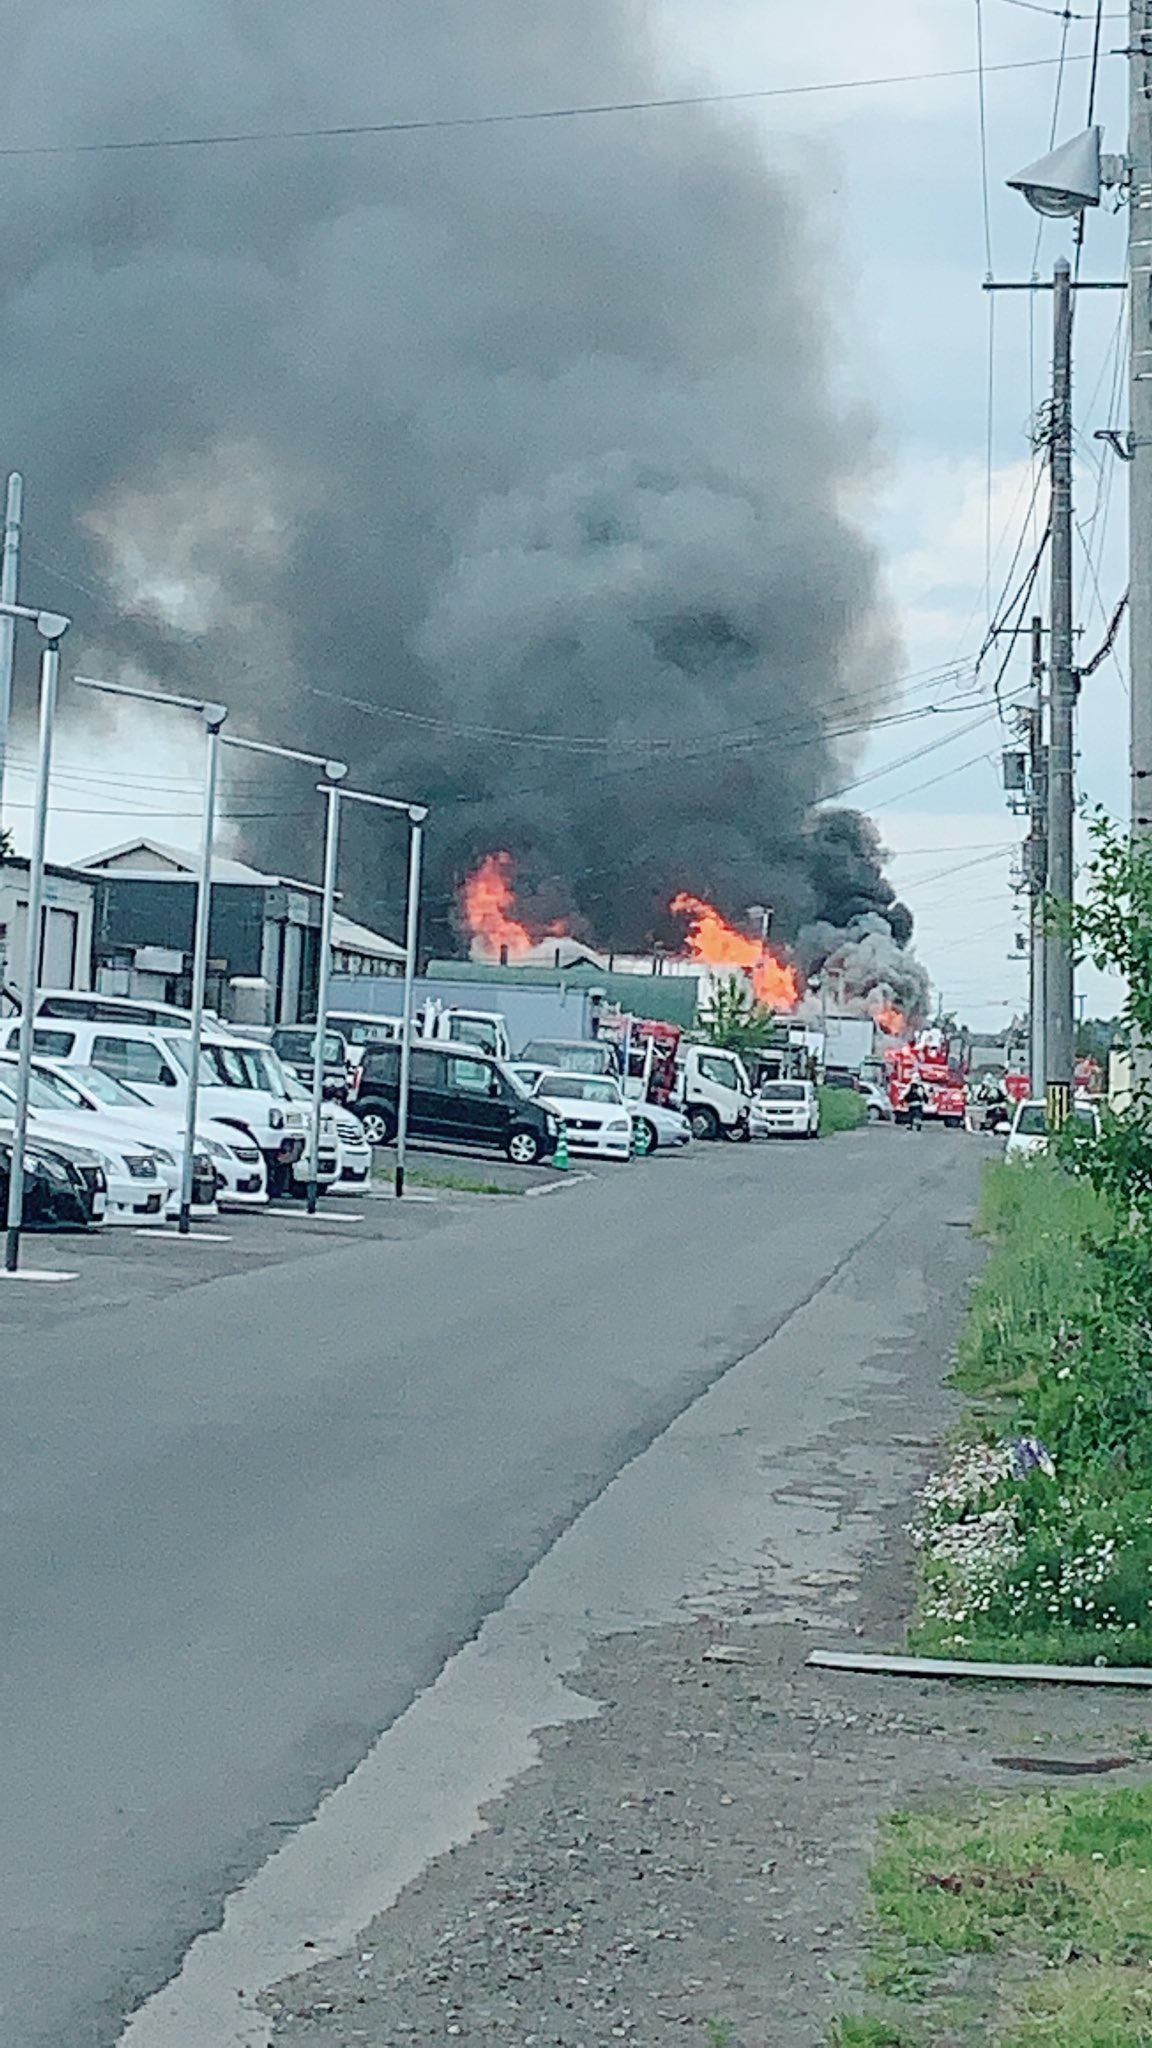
{"x": 560, "y": 1158}
{"x": 639, "y": 1143}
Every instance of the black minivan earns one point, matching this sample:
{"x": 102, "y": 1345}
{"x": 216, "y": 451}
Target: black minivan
{"x": 459, "y": 1096}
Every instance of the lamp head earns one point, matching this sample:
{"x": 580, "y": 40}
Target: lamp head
{"x": 1065, "y": 181}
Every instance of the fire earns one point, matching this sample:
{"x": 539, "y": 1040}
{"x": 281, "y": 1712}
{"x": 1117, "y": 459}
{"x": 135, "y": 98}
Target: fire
{"x": 892, "y": 1021}
{"x": 712, "y": 939}
{"x": 489, "y": 901}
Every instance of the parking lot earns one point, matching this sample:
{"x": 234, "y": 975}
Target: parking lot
{"x": 115, "y": 1267}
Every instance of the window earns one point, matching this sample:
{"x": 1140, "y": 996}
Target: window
{"x": 426, "y": 1070}
{"x": 1032, "y": 1121}
{"x": 55, "y": 1045}
{"x": 783, "y": 1091}
{"x": 720, "y": 1071}
{"x": 471, "y": 1075}
{"x": 133, "y": 1059}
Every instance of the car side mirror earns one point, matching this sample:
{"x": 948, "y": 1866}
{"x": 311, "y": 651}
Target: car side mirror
{"x": 167, "y": 1078}
{"x": 494, "y": 1089}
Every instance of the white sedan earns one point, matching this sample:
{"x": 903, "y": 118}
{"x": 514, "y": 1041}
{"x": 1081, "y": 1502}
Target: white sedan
{"x": 136, "y": 1188}
{"x": 592, "y": 1108}
{"x": 785, "y": 1109}
{"x": 659, "y": 1128}
{"x": 1028, "y": 1137}
{"x": 236, "y": 1160}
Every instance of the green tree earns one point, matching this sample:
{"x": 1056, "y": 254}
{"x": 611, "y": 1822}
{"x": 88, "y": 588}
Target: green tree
{"x": 734, "y": 1019}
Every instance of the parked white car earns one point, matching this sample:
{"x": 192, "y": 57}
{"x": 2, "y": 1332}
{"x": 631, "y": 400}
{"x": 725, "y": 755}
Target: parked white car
{"x": 1028, "y": 1137}
{"x": 592, "y": 1109}
{"x": 236, "y": 1161}
{"x": 658, "y": 1128}
{"x": 345, "y": 1164}
{"x": 136, "y": 1189}
{"x": 785, "y": 1109}
{"x": 241, "y": 1083}
{"x": 880, "y": 1110}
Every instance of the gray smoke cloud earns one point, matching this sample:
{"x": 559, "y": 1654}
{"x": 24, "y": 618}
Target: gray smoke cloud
{"x": 864, "y": 970}
{"x": 497, "y": 432}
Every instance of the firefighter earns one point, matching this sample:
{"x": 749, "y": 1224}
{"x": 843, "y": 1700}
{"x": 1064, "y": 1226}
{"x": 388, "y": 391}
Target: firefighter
{"x": 914, "y": 1102}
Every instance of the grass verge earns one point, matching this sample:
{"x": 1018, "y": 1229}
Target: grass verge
{"x": 457, "y": 1183}
{"x": 1036, "y": 1541}
{"x": 841, "y": 1109}
{"x": 1024, "y": 1924}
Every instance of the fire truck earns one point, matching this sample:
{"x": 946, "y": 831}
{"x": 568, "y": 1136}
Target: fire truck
{"x": 928, "y": 1059}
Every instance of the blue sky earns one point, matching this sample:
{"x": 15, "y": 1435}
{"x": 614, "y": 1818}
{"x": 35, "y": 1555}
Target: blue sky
{"x": 895, "y": 175}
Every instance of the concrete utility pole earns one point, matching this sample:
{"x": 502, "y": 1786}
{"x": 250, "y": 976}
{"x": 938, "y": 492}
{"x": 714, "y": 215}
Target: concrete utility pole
{"x": 1058, "y": 975}
{"x": 9, "y": 580}
{"x": 1036, "y": 859}
{"x": 1139, "y": 170}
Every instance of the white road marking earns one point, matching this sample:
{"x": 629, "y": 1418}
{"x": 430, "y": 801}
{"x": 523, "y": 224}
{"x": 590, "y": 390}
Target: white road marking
{"x": 550, "y": 1187}
{"x": 190, "y": 1237}
{"x": 37, "y": 1273}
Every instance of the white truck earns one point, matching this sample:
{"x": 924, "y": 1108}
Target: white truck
{"x": 484, "y": 1029}
{"x": 714, "y": 1092}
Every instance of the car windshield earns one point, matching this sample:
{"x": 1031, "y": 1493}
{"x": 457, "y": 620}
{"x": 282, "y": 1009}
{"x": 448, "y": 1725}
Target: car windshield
{"x": 63, "y": 1091}
{"x": 1032, "y": 1120}
{"x": 107, "y": 1089}
{"x": 300, "y": 1045}
{"x": 40, "y": 1095}
{"x": 474, "y": 1031}
{"x": 211, "y": 1075}
{"x": 239, "y": 1066}
{"x": 783, "y": 1091}
{"x": 579, "y": 1087}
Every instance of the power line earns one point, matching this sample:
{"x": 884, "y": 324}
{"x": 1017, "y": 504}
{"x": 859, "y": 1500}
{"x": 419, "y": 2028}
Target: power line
{"x": 439, "y": 124}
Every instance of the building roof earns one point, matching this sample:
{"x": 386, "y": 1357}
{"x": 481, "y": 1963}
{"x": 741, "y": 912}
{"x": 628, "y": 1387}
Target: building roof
{"x": 159, "y": 863}
{"x": 350, "y": 937}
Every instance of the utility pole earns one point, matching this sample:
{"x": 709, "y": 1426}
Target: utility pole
{"x": 9, "y": 580}
{"x": 1036, "y": 864}
{"x": 1058, "y": 975}
{"x": 1140, "y": 411}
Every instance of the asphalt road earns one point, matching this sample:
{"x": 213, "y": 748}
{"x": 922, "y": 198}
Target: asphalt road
{"x": 246, "y": 1520}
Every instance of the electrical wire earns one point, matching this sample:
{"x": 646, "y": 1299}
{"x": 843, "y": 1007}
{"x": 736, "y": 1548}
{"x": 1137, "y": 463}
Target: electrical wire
{"x": 439, "y": 124}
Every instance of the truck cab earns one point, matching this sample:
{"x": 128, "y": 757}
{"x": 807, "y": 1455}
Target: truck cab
{"x": 485, "y": 1030}
{"x": 713, "y": 1090}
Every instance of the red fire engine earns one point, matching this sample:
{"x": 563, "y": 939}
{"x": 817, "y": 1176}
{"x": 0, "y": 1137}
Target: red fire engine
{"x": 928, "y": 1060}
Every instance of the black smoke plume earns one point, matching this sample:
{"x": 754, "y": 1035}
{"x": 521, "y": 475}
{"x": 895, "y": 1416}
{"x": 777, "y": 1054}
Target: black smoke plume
{"x": 503, "y": 461}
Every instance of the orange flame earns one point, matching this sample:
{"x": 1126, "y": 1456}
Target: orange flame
{"x": 712, "y": 939}
{"x": 489, "y": 901}
{"x": 892, "y": 1021}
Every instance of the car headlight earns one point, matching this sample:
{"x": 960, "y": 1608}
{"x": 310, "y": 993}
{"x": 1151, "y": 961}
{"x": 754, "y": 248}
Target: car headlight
{"x": 621, "y": 1124}
{"x": 213, "y": 1149}
{"x": 552, "y": 1124}
{"x": 52, "y": 1168}
{"x": 276, "y": 1118}
{"x": 159, "y": 1152}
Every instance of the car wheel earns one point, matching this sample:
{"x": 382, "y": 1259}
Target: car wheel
{"x": 645, "y": 1140}
{"x": 523, "y": 1148}
{"x": 379, "y": 1125}
{"x": 704, "y": 1121}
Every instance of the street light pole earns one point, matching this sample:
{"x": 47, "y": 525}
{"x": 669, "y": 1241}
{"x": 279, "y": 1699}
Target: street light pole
{"x": 213, "y": 716}
{"x": 323, "y": 981}
{"x": 52, "y": 627}
{"x": 335, "y": 771}
{"x": 1058, "y": 971}
{"x": 416, "y": 817}
{"x": 9, "y": 581}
